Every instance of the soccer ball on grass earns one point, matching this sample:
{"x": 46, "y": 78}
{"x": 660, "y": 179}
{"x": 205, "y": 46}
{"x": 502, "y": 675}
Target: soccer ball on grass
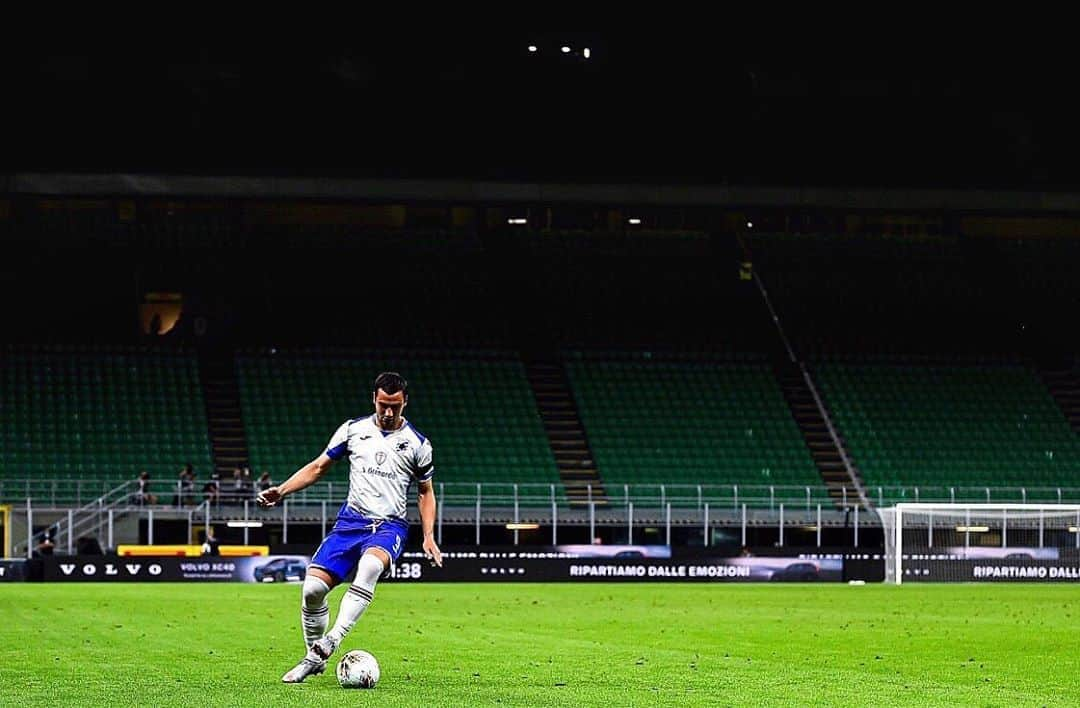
{"x": 358, "y": 669}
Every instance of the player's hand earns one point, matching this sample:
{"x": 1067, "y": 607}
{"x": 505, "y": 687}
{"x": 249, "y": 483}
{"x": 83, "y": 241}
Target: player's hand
{"x": 431, "y": 550}
{"x": 268, "y": 497}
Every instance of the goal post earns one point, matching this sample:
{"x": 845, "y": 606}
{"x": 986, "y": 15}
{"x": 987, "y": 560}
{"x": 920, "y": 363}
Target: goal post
{"x": 5, "y": 530}
{"x": 981, "y": 542}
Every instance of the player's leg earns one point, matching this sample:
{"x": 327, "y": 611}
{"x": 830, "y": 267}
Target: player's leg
{"x": 361, "y": 592}
{"x": 331, "y": 561}
{"x": 314, "y": 616}
{"x": 314, "y": 612}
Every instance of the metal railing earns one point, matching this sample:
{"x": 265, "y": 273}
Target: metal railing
{"x": 788, "y": 509}
{"x": 636, "y": 521}
{"x": 496, "y": 494}
{"x": 83, "y": 520}
{"x": 64, "y": 493}
{"x": 55, "y": 492}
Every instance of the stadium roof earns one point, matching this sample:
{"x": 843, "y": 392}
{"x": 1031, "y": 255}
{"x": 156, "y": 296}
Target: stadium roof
{"x": 480, "y": 192}
{"x": 697, "y": 102}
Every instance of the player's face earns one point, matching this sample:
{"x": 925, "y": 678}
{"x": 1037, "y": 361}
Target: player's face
{"x": 388, "y": 408}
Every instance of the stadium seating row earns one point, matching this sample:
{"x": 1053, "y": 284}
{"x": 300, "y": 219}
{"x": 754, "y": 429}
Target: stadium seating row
{"x": 106, "y": 413}
{"x": 690, "y": 422}
{"x": 995, "y": 426}
{"x": 101, "y": 413}
{"x": 480, "y": 415}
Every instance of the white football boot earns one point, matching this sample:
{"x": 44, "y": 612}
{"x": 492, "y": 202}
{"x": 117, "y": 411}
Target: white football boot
{"x": 312, "y": 664}
{"x": 305, "y": 668}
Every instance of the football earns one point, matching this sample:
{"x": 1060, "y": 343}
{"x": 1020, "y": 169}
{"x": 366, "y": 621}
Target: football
{"x": 358, "y": 669}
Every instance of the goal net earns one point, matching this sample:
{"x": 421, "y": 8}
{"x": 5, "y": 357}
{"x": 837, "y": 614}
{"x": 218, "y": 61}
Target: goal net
{"x": 981, "y": 542}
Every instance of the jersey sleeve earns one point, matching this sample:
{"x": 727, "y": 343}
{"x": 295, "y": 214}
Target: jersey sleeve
{"x": 338, "y": 446}
{"x": 425, "y": 465}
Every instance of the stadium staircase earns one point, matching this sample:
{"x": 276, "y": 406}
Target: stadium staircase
{"x": 824, "y": 449}
{"x": 221, "y": 392}
{"x": 565, "y": 433}
{"x": 823, "y": 441}
{"x": 90, "y": 520}
{"x": 1064, "y": 386}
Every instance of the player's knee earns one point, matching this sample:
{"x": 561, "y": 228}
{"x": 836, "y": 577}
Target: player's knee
{"x": 314, "y": 592}
{"x": 380, "y": 554}
{"x": 370, "y": 568}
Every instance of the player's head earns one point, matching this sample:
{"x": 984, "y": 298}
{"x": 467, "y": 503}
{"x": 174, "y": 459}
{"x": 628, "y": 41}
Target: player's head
{"x": 390, "y": 397}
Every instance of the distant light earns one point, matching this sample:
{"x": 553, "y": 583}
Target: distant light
{"x": 749, "y": 224}
{"x": 532, "y": 47}
{"x": 566, "y": 50}
{"x": 972, "y": 529}
{"x": 522, "y": 527}
{"x": 635, "y": 222}
{"x": 586, "y": 53}
{"x": 244, "y": 524}
{"x": 517, "y": 221}
{"x": 1074, "y": 529}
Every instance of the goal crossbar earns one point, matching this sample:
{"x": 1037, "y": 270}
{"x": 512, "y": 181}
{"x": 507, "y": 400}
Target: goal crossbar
{"x": 920, "y": 506}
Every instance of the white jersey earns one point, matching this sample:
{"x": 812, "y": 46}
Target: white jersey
{"x": 382, "y": 465}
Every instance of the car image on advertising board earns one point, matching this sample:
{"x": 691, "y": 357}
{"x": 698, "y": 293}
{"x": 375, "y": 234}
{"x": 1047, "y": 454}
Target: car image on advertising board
{"x": 280, "y": 570}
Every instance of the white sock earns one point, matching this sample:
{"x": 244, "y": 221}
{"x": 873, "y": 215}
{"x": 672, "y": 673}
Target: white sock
{"x": 357, "y": 597}
{"x": 314, "y": 613}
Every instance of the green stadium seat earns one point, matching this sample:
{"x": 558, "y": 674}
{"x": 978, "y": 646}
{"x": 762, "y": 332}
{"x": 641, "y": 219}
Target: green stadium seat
{"x": 730, "y": 425}
{"x": 964, "y": 428}
{"x": 101, "y": 414}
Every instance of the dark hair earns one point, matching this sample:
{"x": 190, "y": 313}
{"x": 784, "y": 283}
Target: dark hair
{"x": 392, "y": 382}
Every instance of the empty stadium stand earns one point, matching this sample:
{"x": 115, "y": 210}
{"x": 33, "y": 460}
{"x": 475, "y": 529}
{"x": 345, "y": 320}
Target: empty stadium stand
{"x": 476, "y": 407}
{"x": 972, "y": 319}
{"x": 690, "y": 423}
{"x": 671, "y": 291}
{"x": 855, "y": 293}
{"x": 100, "y": 414}
{"x": 961, "y": 427}
{"x": 430, "y": 289}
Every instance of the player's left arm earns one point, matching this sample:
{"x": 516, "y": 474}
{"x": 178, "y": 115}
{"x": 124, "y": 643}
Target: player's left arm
{"x": 426, "y": 502}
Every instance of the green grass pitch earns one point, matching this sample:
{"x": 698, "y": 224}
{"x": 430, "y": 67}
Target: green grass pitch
{"x": 557, "y": 644}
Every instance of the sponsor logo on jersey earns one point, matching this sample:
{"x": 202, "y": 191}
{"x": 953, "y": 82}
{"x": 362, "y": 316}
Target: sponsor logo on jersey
{"x": 380, "y": 457}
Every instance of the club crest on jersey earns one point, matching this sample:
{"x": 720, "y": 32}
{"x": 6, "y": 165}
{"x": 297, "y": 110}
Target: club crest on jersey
{"x": 402, "y": 446}
{"x": 380, "y": 457}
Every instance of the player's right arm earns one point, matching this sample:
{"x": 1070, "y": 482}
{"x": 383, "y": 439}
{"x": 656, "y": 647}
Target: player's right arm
{"x": 310, "y": 473}
{"x": 303, "y": 478}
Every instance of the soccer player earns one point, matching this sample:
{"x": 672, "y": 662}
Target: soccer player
{"x": 386, "y": 453}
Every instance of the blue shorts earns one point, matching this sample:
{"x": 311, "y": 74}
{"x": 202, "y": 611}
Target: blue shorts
{"x": 351, "y": 536}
